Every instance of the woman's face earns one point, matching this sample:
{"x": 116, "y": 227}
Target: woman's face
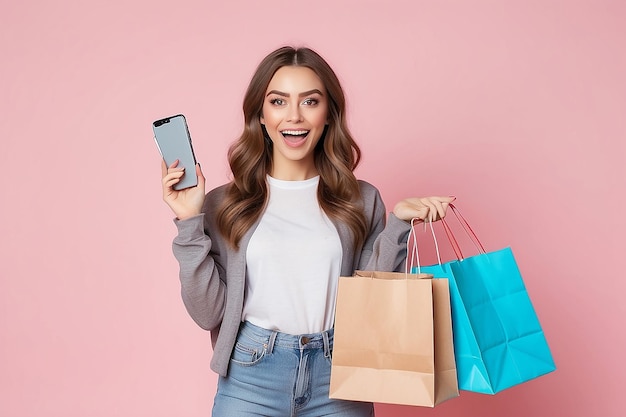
{"x": 295, "y": 112}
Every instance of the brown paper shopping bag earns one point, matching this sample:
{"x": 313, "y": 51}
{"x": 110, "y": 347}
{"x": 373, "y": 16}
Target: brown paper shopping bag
{"x": 393, "y": 340}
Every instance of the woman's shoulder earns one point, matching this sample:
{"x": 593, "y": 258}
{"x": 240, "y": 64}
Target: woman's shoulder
{"x": 368, "y": 191}
{"x": 215, "y": 197}
{"x": 371, "y": 198}
{"x": 218, "y": 191}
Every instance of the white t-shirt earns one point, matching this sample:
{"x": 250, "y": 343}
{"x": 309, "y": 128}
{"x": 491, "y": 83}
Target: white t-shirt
{"x": 293, "y": 262}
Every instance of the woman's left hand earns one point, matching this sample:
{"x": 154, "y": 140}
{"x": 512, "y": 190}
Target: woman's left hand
{"x": 428, "y": 209}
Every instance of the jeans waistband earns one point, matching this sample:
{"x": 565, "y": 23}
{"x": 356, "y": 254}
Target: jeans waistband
{"x": 272, "y": 338}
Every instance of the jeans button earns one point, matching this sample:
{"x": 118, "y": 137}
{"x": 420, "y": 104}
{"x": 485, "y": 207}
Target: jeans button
{"x": 304, "y": 340}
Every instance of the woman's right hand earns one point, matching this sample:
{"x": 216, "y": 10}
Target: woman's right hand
{"x": 184, "y": 203}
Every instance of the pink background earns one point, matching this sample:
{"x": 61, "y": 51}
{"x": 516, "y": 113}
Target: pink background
{"x": 517, "y": 108}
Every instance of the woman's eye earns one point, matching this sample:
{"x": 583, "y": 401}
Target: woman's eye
{"x": 310, "y": 102}
{"x": 277, "y": 101}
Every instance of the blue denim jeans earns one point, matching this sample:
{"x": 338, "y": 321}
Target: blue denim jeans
{"x": 276, "y": 374}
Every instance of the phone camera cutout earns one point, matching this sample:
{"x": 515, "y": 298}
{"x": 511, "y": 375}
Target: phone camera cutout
{"x": 161, "y": 122}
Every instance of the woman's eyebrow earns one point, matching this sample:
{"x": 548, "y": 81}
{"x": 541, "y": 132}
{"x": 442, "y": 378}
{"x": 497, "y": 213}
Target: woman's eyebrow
{"x": 306, "y": 93}
{"x": 314, "y": 91}
{"x": 278, "y": 93}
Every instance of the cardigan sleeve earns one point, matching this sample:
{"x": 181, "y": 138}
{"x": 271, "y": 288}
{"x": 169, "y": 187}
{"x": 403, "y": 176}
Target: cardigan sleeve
{"x": 201, "y": 274}
{"x": 389, "y": 249}
{"x": 385, "y": 245}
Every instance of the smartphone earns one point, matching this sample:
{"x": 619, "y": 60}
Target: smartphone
{"x": 173, "y": 140}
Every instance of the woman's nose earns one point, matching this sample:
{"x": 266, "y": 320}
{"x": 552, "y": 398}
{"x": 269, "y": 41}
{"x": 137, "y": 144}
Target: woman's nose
{"x": 294, "y": 114}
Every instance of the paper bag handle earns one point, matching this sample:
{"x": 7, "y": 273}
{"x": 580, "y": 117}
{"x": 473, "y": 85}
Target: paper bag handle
{"x": 415, "y": 252}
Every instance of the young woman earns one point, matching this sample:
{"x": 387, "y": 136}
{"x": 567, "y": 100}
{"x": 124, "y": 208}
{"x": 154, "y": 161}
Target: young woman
{"x": 260, "y": 257}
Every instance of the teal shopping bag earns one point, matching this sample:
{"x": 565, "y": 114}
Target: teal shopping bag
{"x": 498, "y": 340}
{"x": 469, "y": 364}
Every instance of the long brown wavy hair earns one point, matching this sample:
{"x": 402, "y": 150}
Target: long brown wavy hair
{"x": 250, "y": 157}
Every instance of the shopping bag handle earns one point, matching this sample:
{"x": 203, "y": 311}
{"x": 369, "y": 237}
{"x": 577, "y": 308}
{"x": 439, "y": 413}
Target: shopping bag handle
{"x": 415, "y": 252}
{"x": 468, "y": 230}
{"x": 455, "y": 245}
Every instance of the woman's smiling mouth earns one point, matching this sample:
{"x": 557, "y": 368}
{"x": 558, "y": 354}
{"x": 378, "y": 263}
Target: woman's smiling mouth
{"x": 295, "y": 138}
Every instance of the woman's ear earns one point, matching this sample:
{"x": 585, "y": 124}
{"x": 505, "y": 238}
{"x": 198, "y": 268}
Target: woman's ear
{"x": 262, "y": 119}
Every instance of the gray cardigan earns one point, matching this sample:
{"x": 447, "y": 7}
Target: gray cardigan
{"x": 212, "y": 273}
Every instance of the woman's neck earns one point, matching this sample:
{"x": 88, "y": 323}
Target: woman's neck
{"x": 294, "y": 171}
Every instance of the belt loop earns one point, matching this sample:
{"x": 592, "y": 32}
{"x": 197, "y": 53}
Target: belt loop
{"x": 326, "y": 345}
{"x": 270, "y": 343}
